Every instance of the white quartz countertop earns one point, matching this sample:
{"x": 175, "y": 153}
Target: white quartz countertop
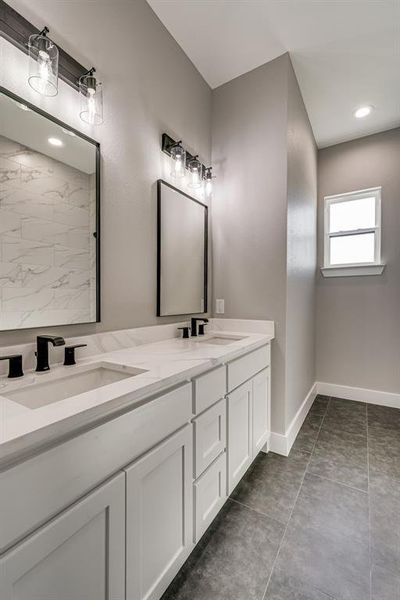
{"x": 166, "y": 364}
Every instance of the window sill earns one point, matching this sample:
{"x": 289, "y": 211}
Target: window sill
{"x": 361, "y": 270}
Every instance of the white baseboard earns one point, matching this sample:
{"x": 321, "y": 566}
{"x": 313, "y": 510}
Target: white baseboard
{"x": 282, "y": 443}
{"x": 358, "y": 394}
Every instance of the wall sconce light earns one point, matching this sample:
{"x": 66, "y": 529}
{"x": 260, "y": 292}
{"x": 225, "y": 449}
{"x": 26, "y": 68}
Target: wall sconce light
{"x": 208, "y": 182}
{"x": 178, "y": 155}
{"x": 184, "y": 161}
{"x": 91, "y": 93}
{"x": 196, "y": 173}
{"x": 43, "y": 64}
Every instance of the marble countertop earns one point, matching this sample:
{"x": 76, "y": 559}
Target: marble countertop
{"x": 166, "y": 363}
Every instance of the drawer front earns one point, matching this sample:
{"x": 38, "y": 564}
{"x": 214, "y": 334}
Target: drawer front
{"x": 242, "y": 369}
{"x": 209, "y": 436}
{"x": 209, "y": 495}
{"x": 55, "y": 479}
{"x": 208, "y": 389}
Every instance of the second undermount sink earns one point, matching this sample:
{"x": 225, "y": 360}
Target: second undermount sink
{"x": 221, "y": 340}
{"x": 78, "y": 381}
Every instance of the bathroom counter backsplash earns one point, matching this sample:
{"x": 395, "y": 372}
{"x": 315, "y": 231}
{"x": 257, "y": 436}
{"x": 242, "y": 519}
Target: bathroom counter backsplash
{"x": 165, "y": 359}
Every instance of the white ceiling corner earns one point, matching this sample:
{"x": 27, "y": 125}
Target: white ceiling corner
{"x": 345, "y": 53}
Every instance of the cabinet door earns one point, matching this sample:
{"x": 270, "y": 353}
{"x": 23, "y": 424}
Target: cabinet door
{"x": 239, "y": 441}
{"x": 159, "y": 516}
{"x": 79, "y": 555}
{"x": 261, "y": 410}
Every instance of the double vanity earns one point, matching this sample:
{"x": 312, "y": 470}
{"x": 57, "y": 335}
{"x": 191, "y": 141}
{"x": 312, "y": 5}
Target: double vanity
{"x": 113, "y": 468}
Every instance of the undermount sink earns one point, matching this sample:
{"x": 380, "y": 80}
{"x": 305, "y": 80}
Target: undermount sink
{"x": 221, "y": 340}
{"x": 84, "y": 379}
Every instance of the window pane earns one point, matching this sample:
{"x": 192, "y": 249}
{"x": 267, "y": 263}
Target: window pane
{"x": 352, "y": 214}
{"x": 352, "y": 249}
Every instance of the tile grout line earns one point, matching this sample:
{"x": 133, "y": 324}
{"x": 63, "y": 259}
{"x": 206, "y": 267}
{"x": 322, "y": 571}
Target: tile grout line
{"x": 350, "y": 487}
{"x": 369, "y": 510}
{"x": 259, "y": 512}
{"x": 293, "y": 507}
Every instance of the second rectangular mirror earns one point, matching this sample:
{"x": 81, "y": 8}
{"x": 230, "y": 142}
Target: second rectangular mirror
{"x": 182, "y": 253}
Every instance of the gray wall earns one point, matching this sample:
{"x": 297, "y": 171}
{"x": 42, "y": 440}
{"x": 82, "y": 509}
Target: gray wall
{"x": 150, "y": 86}
{"x": 263, "y": 213}
{"x": 358, "y": 318}
{"x": 249, "y": 209}
{"x": 301, "y": 252}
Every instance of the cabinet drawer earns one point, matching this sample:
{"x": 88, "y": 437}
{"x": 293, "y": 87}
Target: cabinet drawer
{"x": 208, "y": 389}
{"x": 209, "y": 495}
{"x": 244, "y": 368}
{"x": 209, "y": 436}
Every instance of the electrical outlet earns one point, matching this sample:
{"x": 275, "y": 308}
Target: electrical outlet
{"x": 220, "y": 306}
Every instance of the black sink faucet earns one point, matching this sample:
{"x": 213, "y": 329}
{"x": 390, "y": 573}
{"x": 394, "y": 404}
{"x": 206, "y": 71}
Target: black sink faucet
{"x": 193, "y": 325}
{"x": 42, "y": 354}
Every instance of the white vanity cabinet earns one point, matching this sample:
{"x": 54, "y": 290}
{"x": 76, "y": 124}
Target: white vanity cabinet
{"x": 114, "y": 512}
{"x": 159, "y": 516}
{"x": 78, "y": 555}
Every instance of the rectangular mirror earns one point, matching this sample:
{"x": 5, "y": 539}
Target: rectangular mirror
{"x": 182, "y": 253}
{"x": 49, "y": 220}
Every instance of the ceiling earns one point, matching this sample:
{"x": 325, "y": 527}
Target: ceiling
{"x": 33, "y": 130}
{"x": 346, "y": 53}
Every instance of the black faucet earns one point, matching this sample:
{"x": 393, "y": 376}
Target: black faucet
{"x": 42, "y": 354}
{"x": 193, "y": 326}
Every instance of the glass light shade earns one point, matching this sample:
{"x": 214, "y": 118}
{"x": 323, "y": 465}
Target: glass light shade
{"x": 91, "y": 93}
{"x": 43, "y": 65}
{"x": 208, "y": 182}
{"x": 195, "y": 170}
{"x": 178, "y": 156}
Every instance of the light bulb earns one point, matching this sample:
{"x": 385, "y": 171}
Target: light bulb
{"x": 208, "y": 187}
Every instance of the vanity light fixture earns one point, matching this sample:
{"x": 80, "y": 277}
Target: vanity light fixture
{"x": 55, "y": 141}
{"x": 91, "y": 92}
{"x": 178, "y": 155}
{"x": 363, "y": 111}
{"x": 196, "y": 173}
{"x": 43, "y": 64}
{"x": 183, "y": 161}
{"x": 208, "y": 182}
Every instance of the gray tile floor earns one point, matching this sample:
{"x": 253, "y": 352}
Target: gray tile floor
{"x": 322, "y": 524}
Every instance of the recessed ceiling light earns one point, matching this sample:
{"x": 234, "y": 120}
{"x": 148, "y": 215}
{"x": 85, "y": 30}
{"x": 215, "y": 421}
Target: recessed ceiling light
{"x": 55, "y": 141}
{"x": 363, "y": 111}
{"x": 68, "y": 132}
{"x": 23, "y": 106}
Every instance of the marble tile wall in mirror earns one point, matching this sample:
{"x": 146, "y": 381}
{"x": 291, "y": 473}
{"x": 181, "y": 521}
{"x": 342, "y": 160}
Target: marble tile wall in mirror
{"x": 48, "y": 218}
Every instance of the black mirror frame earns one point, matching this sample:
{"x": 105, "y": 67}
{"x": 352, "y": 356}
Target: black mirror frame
{"x": 96, "y": 234}
{"x": 161, "y": 182}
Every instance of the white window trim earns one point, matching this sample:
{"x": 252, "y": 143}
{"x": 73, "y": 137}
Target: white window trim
{"x": 354, "y": 269}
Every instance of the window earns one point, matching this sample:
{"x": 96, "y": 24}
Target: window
{"x": 352, "y": 234}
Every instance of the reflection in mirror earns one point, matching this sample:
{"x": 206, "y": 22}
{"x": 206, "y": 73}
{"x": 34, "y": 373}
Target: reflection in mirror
{"x": 49, "y": 203}
{"x": 182, "y": 253}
